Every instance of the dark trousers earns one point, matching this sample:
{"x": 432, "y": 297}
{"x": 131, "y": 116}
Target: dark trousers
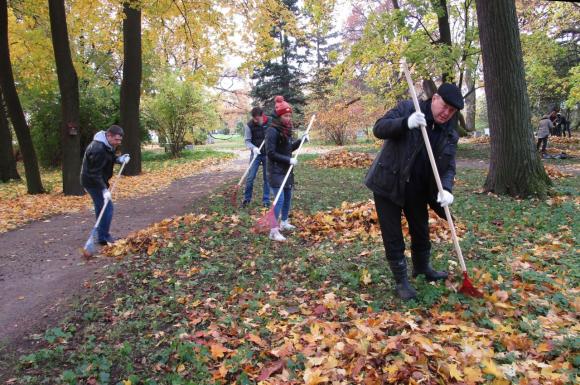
{"x": 417, "y": 216}
{"x": 98, "y": 202}
{"x": 543, "y": 142}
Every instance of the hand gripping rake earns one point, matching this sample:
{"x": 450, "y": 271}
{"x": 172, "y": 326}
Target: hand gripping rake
{"x": 467, "y": 287}
{"x": 89, "y": 248}
{"x": 269, "y": 220}
{"x": 233, "y": 193}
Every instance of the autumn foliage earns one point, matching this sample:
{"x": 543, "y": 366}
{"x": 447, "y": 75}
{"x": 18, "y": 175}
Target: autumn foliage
{"x": 344, "y": 159}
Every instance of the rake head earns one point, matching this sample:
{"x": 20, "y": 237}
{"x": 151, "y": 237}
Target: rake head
{"x": 232, "y": 195}
{"x": 89, "y": 249}
{"x": 267, "y": 222}
{"x": 467, "y": 287}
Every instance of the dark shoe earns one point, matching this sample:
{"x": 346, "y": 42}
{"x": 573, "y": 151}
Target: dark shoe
{"x": 421, "y": 265}
{"x": 245, "y": 204}
{"x": 403, "y": 288}
{"x": 108, "y": 240}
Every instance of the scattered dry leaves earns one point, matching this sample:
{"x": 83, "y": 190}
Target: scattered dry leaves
{"x": 344, "y": 159}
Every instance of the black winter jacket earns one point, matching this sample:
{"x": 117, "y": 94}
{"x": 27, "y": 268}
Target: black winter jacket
{"x": 279, "y": 149}
{"x": 391, "y": 170}
{"x": 98, "y": 164}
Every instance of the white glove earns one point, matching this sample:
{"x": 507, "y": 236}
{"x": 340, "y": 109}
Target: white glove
{"x": 416, "y": 120}
{"x": 106, "y": 195}
{"x": 293, "y": 161}
{"x": 306, "y": 138}
{"x": 125, "y": 158}
{"x": 255, "y": 151}
{"x": 445, "y": 198}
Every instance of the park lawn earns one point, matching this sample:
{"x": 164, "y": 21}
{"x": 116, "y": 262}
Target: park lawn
{"x": 201, "y": 299}
{"x": 159, "y": 170}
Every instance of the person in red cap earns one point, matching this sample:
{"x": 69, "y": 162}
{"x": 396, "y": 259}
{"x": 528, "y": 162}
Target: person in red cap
{"x": 279, "y": 147}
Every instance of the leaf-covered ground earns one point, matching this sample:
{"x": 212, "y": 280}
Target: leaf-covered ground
{"x": 18, "y": 208}
{"x": 201, "y": 299}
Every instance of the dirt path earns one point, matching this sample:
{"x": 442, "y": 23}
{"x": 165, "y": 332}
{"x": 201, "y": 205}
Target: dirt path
{"x": 41, "y": 272}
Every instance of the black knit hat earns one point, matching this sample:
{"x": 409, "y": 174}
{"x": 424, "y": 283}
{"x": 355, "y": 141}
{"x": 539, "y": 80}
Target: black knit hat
{"x": 451, "y": 94}
{"x": 116, "y": 130}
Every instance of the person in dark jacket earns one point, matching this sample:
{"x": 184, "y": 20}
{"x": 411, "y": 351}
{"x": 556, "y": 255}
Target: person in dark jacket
{"x": 97, "y": 170}
{"x": 401, "y": 179}
{"x": 279, "y": 148}
{"x": 254, "y": 135}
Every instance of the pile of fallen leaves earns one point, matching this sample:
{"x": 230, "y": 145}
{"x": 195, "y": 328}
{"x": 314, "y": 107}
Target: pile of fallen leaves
{"x": 554, "y": 173}
{"x": 359, "y": 220}
{"x": 476, "y": 140}
{"x": 18, "y": 208}
{"x": 344, "y": 159}
{"x": 152, "y": 238}
{"x": 564, "y": 140}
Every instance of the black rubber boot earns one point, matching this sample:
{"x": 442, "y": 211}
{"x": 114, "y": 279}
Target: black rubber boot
{"x": 403, "y": 288}
{"x": 421, "y": 265}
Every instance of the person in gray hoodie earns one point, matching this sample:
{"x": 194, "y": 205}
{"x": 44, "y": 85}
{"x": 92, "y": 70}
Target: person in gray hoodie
{"x": 544, "y": 129}
{"x": 97, "y": 170}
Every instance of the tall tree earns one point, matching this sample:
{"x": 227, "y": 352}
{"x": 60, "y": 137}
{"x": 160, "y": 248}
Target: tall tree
{"x": 8, "y": 169}
{"x": 131, "y": 86}
{"x": 515, "y": 167}
{"x": 15, "y": 112}
{"x": 281, "y": 75}
{"x": 69, "y": 100}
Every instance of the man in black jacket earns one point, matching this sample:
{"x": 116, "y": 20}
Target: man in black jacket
{"x": 401, "y": 178}
{"x": 96, "y": 172}
{"x": 254, "y": 135}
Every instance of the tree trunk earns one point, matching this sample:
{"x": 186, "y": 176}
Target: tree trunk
{"x": 7, "y": 160}
{"x": 470, "y": 101}
{"x": 515, "y": 167}
{"x": 69, "y": 100}
{"x": 15, "y": 112}
{"x": 444, "y": 29}
{"x": 131, "y": 88}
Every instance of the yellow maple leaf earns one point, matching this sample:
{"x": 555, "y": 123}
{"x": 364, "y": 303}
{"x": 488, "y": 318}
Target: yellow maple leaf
{"x": 180, "y": 368}
{"x": 472, "y": 375}
{"x": 489, "y": 367}
{"x": 127, "y": 382}
{"x": 314, "y": 377}
{"x": 454, "y": 372}
{"x": 365, "y": 277}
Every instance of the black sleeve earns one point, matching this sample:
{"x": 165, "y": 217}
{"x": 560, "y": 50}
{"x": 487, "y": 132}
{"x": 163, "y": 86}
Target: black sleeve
{"x": 394, "y": 124}
{"x": 296, "y": 144}
{"x": 96, "y": 162}
{"x": 271, "y": 141}
{"x": 448, "y": 175}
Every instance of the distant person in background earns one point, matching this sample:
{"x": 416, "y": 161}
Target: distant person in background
{"x": 553, "y": 116}
{"x": 544, "y": 129}
{"x": 562, "y": 125}
{"x": 254, "y": 135}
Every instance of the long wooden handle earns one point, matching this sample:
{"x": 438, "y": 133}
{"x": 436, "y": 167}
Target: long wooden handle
{"x": 292, "y": 166}
{"x": 251, "y": 162}
{"x": 433, "y": 164}
{"x": 107, "y": 200}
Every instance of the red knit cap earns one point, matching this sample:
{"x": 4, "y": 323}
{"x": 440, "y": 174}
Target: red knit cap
{"x": 281, "y": 107}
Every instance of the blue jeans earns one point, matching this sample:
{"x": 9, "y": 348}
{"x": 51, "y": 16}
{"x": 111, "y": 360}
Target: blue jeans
{"x": 252, "y": 175}
{"x": 96, "y": 194}
{"x": 284, "y": 203}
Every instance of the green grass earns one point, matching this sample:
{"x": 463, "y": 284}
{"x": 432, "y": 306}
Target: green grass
{"x": 133, "y": 326}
